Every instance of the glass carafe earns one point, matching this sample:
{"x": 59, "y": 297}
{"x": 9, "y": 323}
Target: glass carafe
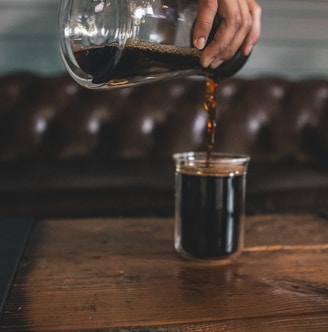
{"x": 115, "y": 43}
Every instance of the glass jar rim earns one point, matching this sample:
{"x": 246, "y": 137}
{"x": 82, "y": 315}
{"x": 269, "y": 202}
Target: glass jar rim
{"x": 220, "y": 164}
{"x": 216, "y": 157}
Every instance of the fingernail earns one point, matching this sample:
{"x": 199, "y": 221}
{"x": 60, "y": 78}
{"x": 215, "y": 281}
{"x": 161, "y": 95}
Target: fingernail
{"x": 248, "y": 50}
{"x": 200, "y": 43}
{"x": 207, "y": 62}
{"x": 216, "y": 63}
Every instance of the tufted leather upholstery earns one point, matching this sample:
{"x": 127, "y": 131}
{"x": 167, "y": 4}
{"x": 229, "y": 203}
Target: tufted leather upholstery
{"x": 268, "y": 118}
{"x": 68, "y": 151}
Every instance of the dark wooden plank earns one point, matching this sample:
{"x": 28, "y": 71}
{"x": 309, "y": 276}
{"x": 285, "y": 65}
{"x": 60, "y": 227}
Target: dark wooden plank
{"x": 13, "y": 236}
{"x": 286, "y": 230}
{"x": 123, "y": 275}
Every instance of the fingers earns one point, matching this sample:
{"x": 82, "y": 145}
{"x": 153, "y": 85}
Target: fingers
{"x": 235, "y": 24}
{"x": 207, "y": 9}
{"x": 239, "y": 28}
{"x": 255, "y": 32}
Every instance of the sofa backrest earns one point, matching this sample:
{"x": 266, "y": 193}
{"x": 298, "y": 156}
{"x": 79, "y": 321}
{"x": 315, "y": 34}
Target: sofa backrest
{"x": 268, "y": 118}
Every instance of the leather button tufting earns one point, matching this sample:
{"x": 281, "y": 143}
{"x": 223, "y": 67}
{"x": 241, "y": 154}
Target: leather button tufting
{"x": 268, "y": 118}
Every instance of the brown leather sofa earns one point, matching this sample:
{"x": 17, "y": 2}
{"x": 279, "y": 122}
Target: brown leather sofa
{"x": 69, "y": 152}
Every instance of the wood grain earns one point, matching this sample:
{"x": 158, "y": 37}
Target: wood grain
{"x": 123, "y": 275}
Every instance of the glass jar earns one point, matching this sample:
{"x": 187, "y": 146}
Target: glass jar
{"x": 210, "y": 206}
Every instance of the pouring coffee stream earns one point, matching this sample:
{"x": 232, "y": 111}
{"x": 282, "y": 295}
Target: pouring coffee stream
{"x": 210, "y": 105}
{"x": 120, "y": 43}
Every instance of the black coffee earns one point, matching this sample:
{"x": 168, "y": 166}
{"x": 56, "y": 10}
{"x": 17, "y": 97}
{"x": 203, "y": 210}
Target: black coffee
{"x": 112, "y": 63}
{"x": 138, "y": 58}
{"x": 209, "y": 209}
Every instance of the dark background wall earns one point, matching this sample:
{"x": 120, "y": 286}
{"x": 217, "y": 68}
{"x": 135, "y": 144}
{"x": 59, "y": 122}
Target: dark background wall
{"x": 294, "y": 41}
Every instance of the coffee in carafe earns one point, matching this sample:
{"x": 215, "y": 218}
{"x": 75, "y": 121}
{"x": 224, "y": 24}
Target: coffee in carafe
{"x": 108, "y": 44}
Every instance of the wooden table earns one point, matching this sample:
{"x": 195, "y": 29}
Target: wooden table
{"x": 123, "y": 275}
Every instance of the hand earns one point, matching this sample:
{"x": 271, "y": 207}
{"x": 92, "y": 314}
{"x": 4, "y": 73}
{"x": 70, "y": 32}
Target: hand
{"x": 240, "y": 28}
